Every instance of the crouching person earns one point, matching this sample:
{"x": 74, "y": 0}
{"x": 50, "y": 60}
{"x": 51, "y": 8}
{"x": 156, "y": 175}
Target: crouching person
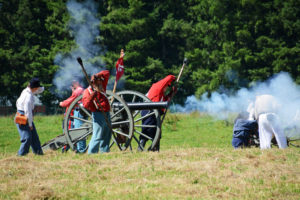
{"x": 156, "y": 93}
{"x": 24, "y": 119}
{"x": 269, "y": 127}
{"x": 94, "y": 99}
{"x": 266, "y": 112}
{"x": 243, "y": 130}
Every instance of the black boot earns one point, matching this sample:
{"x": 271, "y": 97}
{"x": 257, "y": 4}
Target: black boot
{"x": 156, "y": 147}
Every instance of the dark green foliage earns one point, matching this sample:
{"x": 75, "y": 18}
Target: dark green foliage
{"x": 228, "y": 43}
{"x": 31, "y": 34}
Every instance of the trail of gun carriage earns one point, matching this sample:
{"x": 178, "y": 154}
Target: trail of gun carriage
{"x": 205, "y": 104}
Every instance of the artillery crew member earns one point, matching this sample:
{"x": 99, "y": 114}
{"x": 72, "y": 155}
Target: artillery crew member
{"x": 25, "y": 125}
{"x": 77, "y": 90}
{"x": 243, "y": 131}
{"x": 156, "y": 94}
{"x": 94, "y": 99}
{"x": 265, "y": 110}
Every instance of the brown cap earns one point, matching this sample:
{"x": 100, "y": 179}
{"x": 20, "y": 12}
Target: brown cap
{"x": 97, "y": 76}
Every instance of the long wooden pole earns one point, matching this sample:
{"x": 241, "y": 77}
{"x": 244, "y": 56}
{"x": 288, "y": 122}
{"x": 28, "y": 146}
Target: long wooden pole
{"x": 82, "y": 67}
{"x": 177, "y": 81}
{"x": 115, "y": 86}
{"x": 122, "y": 54}
{"x": 181, "y": 70}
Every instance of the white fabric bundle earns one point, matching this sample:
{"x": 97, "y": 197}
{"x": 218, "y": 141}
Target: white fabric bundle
{"x": 266, "y": 104}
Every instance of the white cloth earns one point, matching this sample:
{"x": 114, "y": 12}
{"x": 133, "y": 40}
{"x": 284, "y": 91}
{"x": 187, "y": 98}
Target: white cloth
{"x": 269, "y": 125}
{"x": 39, "y": 90}
{"x": 266, "y": 104}
{"x": 251, "y": 112}
{"x": 26, "y": 103}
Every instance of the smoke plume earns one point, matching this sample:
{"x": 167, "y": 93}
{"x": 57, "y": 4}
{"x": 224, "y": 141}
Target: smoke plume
{"x": 84, "y": 27}
{"x": 281, "y": 86}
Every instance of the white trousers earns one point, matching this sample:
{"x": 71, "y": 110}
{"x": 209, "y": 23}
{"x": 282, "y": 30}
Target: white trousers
{"x": 268, "y": 124}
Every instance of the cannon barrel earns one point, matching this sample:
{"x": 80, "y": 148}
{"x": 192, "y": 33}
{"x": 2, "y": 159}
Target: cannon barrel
{"x": 142, "y": 105}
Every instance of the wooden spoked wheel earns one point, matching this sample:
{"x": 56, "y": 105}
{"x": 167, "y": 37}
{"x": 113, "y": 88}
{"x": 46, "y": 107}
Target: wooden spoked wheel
{"x": 139, "y": 128}
{"x": 122, "y": 123}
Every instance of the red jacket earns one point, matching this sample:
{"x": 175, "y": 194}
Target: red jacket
{"x": 97, "y": 101}
{"x": 156, "y": 92}
{"x": 66, "y": 103}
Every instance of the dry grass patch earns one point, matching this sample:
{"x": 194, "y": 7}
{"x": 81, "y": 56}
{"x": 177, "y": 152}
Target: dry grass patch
{"x": 194, "y": 173}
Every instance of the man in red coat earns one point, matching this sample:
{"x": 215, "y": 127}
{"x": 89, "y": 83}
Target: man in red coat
{"x": 77, "y": 90}
{"x": 94, "y": 99}
{"x": 156, "y": 93}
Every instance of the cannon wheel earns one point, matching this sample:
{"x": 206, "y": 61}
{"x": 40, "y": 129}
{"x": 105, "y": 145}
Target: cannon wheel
{"x": 134, "y": 97}
{"x": 120, "y": 119}
{"x": 293, "y": 136}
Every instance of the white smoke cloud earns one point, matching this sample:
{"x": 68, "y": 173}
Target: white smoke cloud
{"x": 219, "y": 105}
{"x": 84, "y": 26}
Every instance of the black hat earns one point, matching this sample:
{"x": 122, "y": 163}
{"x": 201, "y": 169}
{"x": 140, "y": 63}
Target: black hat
{"x": 35, "y": 83}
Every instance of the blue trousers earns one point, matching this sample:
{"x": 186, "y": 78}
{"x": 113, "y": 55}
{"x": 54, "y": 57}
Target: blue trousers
{"x": 239, "y": 142}
{"x": 81, "y": 144}
{"x": 101, "y": 133}
{"x": 29, "y": 138}
{"x": 148, "y": 121}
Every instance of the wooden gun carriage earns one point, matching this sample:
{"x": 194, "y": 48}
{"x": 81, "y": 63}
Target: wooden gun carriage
{"x": 126, "y": 122}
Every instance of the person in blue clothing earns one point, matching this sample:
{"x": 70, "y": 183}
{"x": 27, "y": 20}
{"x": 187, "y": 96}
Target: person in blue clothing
{"x": 243, "y": 130}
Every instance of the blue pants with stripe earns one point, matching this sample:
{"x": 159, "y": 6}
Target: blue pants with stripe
{"x": 101, "y": 133}
{"x": 29, "y": 138}
{"x": 81, "y": 144}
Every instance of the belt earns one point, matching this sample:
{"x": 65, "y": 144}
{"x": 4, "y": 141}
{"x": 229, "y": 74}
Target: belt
{"x": 21, "y": 112}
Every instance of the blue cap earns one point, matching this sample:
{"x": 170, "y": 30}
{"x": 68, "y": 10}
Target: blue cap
{"x": 35, "y": 83}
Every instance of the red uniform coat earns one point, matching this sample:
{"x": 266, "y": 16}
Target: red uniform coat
{"x": 156, "y": 92}
{"x": 97, "y": 101}
{"x": 66, "y": 103}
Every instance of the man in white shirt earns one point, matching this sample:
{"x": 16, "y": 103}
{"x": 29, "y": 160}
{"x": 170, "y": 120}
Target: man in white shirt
{"x": 25, "y": 106}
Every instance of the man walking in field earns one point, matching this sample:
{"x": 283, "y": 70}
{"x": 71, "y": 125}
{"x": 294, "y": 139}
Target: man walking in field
{"x": 25, "y": 105}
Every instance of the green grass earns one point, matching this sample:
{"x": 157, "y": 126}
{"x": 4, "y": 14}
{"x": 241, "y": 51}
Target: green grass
{"x": 48, "y": 127}
{"x": 194, "y": 130}
{"x": 196, "y": 161}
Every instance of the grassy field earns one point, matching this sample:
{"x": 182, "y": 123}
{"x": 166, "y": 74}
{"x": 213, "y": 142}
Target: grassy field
{"x": 196, "y": 161}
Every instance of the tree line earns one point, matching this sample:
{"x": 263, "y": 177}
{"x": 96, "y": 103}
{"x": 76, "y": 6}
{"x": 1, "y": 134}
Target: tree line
{"x": 229, "y": 43}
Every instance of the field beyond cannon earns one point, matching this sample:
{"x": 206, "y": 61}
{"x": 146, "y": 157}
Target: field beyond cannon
{"x": 196, "y": 161}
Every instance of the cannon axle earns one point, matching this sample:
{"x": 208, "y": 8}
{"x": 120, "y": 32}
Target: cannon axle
{"x": 142, "y": 105}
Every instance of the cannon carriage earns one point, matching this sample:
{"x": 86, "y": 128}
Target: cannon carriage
{"x": 126, "y": 122}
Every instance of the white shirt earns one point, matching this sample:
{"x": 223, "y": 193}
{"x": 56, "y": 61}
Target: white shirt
{"x": 26, "y": 103}
{"x": 266, "y": 104}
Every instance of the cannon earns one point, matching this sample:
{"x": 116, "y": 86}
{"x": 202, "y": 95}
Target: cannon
{"x": 125, "y": 116}
{"x": 126, "y": 122}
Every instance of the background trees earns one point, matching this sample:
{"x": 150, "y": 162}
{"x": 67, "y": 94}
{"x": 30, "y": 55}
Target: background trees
{"x": 228, "y": 43}
{"x": 31, "y": 34}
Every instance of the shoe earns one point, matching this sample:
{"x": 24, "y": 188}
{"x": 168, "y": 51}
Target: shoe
{"x": 65, "y": 148}
{"x": 157, "y": 147}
